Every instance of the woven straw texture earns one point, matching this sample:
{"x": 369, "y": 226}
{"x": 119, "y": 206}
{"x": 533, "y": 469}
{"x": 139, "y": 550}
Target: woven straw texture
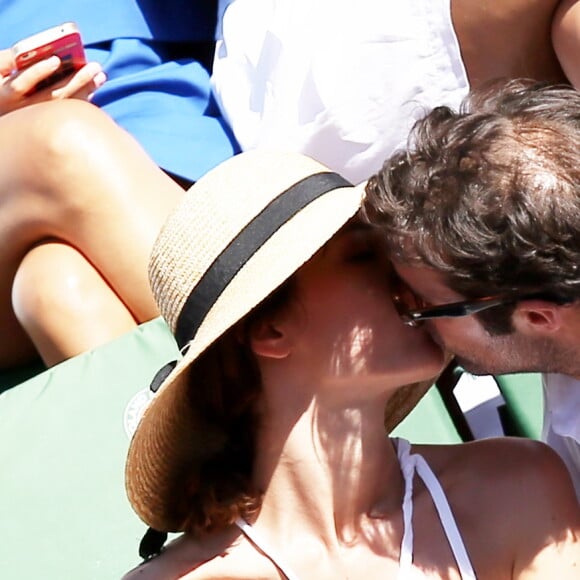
{"x": 210, "y": 215}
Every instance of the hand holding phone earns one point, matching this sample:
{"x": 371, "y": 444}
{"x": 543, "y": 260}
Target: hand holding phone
{"x": 46, "y": 66}
{"x": 63, "y": 41}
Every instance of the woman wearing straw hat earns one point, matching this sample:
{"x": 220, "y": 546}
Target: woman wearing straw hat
{"x": 266, "y": 443}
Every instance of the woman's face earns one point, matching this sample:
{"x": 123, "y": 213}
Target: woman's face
{"x": 345, "y": 323}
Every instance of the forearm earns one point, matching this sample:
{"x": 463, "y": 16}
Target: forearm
{"x": 566, "y": 38}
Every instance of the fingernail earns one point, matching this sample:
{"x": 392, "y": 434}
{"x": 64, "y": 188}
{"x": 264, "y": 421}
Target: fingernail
{"x": 99, "y": 79}
{"x": 53, "y": 62}
{"x": 93, "y": 68}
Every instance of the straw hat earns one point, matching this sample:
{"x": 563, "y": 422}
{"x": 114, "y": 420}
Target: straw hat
{"x": 238, "y": 234}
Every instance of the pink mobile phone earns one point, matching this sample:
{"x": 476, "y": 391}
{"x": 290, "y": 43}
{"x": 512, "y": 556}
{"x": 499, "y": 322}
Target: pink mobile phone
{"x": 63, "y": 41}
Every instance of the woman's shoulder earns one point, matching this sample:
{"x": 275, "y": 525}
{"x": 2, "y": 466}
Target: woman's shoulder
{"x": 184, "y": 557}
{"x": 223, "y": 555}
{"x": 508, "y": 462}
{"x": 504, "y": 475}
{"x": 514, "y": 504}
{"x": 503, "y": 451}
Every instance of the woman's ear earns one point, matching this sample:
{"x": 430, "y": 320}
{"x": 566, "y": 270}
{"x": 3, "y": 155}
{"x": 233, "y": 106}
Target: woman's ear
{"x": 270, "y": 340}
{"x": 538, "y": 318}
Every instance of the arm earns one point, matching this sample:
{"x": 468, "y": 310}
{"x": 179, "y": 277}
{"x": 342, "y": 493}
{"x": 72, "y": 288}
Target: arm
{"x": 14, "y": 88}
{"x": 566, "y": 38}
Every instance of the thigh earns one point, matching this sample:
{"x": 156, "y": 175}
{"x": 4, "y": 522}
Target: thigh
{"x": 70, "y": 173}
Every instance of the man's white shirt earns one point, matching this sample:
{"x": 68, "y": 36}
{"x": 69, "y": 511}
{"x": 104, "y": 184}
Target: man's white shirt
{"x": 561, "y": 428}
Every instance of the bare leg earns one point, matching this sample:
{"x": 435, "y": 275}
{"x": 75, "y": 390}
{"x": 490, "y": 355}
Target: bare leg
{"x": 76, "y": 309}
{"x": 566, "y": 39}
{"x": 68, "y": 173}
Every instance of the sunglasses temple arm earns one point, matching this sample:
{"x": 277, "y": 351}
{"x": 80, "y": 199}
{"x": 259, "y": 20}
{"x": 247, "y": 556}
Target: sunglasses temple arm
{"x": 450, "y": 311}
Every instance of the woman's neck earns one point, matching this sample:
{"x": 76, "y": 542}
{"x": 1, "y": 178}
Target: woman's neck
{"x": 328, "y": 467}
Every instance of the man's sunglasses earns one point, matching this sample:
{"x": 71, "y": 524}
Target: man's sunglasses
{"x": 413, "y": 310}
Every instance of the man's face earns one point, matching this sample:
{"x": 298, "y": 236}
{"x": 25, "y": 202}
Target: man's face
{"x": 476, "y": 350}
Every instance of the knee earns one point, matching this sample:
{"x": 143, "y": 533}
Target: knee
{"x": 53, "y": 283}
{"x": 64, "y": 305}
{"x": 64, "y": 137}
{"x": 58, "y": 125}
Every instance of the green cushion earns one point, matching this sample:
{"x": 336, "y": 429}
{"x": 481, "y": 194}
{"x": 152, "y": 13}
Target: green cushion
{"x": 429, "y": 422}
{"x": 63, "y": 510}
{"x": 524, "y": 399}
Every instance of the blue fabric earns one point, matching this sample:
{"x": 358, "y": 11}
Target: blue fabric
{"x": 155, "y": 56}
{"x": 166, "y": 104}
{"x": 164, "y": 20}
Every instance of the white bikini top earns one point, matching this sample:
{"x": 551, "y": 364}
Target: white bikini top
{"x": 410, "y": 463}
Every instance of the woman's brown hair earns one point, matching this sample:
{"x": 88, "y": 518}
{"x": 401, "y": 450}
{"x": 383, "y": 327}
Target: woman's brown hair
{"x": 225, "y": 388}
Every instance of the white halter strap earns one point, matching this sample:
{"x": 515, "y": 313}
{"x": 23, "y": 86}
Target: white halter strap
{"x": 411, "y": 463}
{"x": 263, "y": 547}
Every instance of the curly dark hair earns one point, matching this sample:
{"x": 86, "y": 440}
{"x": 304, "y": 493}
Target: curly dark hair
{"x": 489, "y": 195}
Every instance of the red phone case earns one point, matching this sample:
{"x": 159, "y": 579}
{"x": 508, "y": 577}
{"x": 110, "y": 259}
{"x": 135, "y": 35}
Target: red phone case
{"x": 63, "y": 41}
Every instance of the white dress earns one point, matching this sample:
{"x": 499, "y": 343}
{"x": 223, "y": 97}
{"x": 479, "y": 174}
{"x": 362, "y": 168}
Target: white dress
{"x": 340, "y": 80}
